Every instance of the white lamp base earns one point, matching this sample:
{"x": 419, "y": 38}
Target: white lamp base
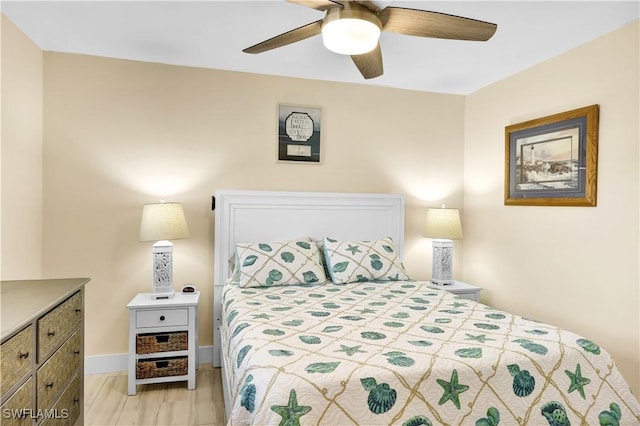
{"x": 442, "y": 262}
{"x": 162, "y": 287}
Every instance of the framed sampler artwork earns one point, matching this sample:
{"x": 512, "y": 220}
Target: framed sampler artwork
{"x": 299, "y": 133}
{"x": 553, "y": 161}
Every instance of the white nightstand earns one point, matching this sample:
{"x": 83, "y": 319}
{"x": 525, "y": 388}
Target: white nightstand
{"x": 163, "y": 340}
{"x": 464, "y": 290}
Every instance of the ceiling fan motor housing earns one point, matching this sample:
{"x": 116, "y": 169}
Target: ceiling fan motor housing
{"x": 351, "y": 30}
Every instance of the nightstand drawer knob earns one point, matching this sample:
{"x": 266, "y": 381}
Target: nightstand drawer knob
{"x": 23, "y": 355}
{"x": 51, "y": 333}
{"x": 161, "y": 317}
{"x": 49, "y": 385}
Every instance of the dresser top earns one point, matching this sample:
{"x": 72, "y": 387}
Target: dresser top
{"x": 24, "y": 300}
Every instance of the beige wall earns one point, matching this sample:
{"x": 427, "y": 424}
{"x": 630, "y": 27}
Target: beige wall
{"x": 576, "y": 267}
{"x": 119, "y": 134}
{"x": 21, "y": 156}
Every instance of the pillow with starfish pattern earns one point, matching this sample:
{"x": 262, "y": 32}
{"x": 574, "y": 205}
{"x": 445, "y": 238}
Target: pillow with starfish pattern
{"x": 354, "y": 261}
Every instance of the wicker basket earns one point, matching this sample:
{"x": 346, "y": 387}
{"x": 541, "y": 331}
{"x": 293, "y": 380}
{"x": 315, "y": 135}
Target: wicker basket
{"x": 161, "y": 342}
{"x": 161, "y": 367}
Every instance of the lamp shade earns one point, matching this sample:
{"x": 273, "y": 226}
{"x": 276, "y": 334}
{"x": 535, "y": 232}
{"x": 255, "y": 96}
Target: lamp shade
{"x": 443, "y": 223}
{"x": 163, "y": 221}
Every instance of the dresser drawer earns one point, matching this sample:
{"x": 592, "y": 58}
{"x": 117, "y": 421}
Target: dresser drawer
{"x": 56, "y": 326}
{"x": 17, "y": 410}
{"x": 162, "y": 317}
{"x": 67, "y": 409}
{"x": 16, "y": 356}
{"x": 55, "y": 374}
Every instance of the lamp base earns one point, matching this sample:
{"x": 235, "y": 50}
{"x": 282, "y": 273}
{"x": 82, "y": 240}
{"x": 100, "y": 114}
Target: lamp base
{"x": 163, "y": 295}
{"x": 162, "y": 286}
{"x": 442, "y": 262}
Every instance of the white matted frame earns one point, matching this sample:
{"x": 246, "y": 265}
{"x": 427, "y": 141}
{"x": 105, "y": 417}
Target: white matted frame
{"x": 254, "y": 216}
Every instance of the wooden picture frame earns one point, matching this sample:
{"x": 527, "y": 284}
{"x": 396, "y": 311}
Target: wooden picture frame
{"x": 553, "y": 160}
{"x": 299, "y": 133}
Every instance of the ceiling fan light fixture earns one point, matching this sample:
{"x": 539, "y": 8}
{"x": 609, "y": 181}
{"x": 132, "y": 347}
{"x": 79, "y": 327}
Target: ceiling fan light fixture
{"x": 350, "y": 32}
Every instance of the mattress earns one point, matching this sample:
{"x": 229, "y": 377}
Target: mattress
{"x": 401, "y": 352}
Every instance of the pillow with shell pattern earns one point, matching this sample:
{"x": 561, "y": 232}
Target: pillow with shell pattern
{"x": 354, "y": 261}
{"x": 266, "y": 264}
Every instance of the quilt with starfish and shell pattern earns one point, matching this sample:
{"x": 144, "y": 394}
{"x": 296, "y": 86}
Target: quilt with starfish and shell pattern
{"x": 403, "y": 353}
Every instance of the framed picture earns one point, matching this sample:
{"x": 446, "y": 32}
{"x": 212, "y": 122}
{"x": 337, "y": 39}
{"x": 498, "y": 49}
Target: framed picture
{"x": 553, "y": 161}
{"x": 299, "y": 133}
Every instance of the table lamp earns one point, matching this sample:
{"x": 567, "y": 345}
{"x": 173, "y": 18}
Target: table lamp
{"x": 162, "y": 222}
{"x": 443, "y": 225}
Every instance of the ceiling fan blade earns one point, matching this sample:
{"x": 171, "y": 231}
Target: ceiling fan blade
{"x": 423, "y": 23}
{"x": 317, "y": 4}
{"x": 369, "y": 64}
{"x": 289, "y": 37}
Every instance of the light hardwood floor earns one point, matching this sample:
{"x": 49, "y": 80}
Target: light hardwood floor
{"x": 107, "y": 402}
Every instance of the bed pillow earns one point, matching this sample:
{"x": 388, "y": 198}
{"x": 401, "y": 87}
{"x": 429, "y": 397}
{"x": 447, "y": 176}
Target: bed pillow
{"x": 353, "y": 261}
{"x": 278, "y": 263}
{"x": 234, "y": 268}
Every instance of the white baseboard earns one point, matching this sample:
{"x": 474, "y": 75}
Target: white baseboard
{"x": 100, "y": 364}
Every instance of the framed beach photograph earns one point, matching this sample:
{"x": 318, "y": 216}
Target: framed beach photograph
{"x": 299, "y": 133}
{"x": 553, "y": 161}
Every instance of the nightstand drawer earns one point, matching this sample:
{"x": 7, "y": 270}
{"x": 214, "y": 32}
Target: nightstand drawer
{"x": 470, "y": 295}
{"x": 162, "y": 317}
{"x": 461, "y": 289}
{"x": 162, "y": 367}
{"x": 162, "y": 342}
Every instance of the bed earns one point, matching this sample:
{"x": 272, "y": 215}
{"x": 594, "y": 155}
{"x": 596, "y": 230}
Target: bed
{"x": 339, "y": 344}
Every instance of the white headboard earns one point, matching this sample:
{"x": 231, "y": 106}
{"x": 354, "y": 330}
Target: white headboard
{"x": 253, "y": 216}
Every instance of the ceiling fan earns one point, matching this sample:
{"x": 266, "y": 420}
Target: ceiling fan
{"x": 353, "y": 27}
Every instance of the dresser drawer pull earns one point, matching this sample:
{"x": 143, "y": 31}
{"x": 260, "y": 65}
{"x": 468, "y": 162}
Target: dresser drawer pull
{"x": 76, "y": 352}
{"x": 49, "y": 385}
{"x": 78, "y": 310}
{"x": 23, "y": 355}
{"x": 162, "y": 364}
{"x": 76, "y": 400}
{"x": 51, "y": 333}
{"x": 161, "y": 317}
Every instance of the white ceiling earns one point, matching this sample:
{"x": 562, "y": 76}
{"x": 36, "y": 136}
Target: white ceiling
{"x": 212, "y": 34}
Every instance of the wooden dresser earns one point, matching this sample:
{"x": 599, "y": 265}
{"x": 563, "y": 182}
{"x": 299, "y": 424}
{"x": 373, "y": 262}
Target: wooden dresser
{"x": 42, "y": 355}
